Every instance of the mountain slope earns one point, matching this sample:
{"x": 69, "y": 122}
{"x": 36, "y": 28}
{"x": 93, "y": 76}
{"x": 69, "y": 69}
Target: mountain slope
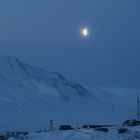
{"x": 23, "y": 81}
{"x": 30, "y": 96}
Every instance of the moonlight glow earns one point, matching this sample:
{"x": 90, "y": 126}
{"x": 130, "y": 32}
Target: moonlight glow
{"x": 85, "y": 32}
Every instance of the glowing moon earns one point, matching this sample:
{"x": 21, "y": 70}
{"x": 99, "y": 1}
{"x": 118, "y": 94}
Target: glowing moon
{"x": 85, "y": 32}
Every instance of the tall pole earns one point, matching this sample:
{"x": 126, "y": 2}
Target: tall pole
{"x": 138, "y": 107}
{"x": 51, "y": 126}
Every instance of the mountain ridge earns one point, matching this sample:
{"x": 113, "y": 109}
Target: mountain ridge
{"x": 18, "y": 76}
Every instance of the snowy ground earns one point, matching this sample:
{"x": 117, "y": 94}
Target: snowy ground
{"x": 82, "y": 134}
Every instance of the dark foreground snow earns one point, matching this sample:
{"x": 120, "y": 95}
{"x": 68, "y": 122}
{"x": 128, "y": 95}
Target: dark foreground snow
{"x": 82, "y": 134}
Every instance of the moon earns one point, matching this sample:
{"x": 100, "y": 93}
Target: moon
{"x": 85, "y": 32}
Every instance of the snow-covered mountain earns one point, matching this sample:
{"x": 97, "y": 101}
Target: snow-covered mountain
{"x": 34, "y": 95}
{"x": 23, "y": 84}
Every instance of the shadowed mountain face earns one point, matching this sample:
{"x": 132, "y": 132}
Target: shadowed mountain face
{"x": 25, "y": 85}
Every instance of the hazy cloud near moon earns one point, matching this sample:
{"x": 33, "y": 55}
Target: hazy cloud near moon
{"x": 46, "y": 33}
{"x": 42, "y": 21}
{"x": 33, "y": 21}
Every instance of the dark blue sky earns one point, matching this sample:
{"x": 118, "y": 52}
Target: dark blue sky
{"x": 46, "y": 33}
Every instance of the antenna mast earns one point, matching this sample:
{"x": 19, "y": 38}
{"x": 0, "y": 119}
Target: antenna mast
{"x": 138, "y": 107}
